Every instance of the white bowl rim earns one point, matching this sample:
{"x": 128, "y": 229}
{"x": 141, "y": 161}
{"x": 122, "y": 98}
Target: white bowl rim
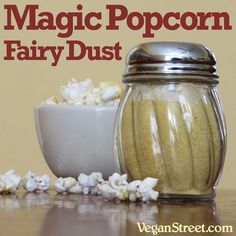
{"x": 79, "y": 107}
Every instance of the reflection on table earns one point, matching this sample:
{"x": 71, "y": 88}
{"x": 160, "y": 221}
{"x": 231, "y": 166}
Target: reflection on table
{"x": 55, "y": 214}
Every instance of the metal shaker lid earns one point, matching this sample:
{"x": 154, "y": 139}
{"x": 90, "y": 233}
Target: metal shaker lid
{"x": 170, "y": 60}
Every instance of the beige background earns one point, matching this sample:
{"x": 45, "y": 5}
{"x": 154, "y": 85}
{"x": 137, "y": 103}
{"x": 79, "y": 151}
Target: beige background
{"x": 25, "y": 84}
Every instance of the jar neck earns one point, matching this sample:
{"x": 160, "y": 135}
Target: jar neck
{"x": 170, "y": 78}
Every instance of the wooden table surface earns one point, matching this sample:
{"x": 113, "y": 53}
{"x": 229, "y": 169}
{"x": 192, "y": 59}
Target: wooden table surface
{"x": 33, "y": 214}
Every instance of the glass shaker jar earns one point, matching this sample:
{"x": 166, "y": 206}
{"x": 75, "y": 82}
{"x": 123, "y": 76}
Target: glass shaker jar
{"x": 170, "y": 123}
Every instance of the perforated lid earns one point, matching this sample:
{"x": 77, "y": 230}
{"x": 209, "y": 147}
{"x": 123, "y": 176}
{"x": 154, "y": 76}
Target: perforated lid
{"x": 170, "y": 60}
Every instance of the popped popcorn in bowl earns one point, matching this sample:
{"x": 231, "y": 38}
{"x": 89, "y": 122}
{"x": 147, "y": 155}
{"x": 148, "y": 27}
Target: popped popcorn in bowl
{"x": 85, "y": 93}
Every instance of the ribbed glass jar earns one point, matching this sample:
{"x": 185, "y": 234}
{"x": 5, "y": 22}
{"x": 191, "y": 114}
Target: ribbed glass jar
{"x": 172, "y": 127}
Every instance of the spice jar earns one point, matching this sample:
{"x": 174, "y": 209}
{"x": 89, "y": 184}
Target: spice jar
{"x": 170, "y": 123}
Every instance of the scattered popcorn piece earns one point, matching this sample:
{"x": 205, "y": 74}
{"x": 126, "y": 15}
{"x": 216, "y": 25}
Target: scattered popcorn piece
{"x": 9, "y": 182}
{"x": 75, "y": 189}
{"x": 97, "y": 176}
{"x": 132, "y": 189}
{"x": 151, "y": 182}
{"x": 69, "y": 182}
{"x": 43, "y": 182}
{"x": 94, "y": 179}
{"x": 13, "y": 177}
{"x": 84, "y": 183}
{"x": 115, "y": 187}
{"x": 64, "y": 184}
{"x": 32, "y": 182}
{"x": 10, "y": 187}
{"x": 89, "y": 182}
{"x": 59, "y": 185}
{"x": 116, "y": 181}
{"x": 107, "y": 191}
{"x": 50, "y": 101}
{"x": 143, "y": 190}
{"x": 122, "y": 194}
{"x": 146, "y": 192}
{"x": 29, "y": 182}
{"x": 149, "y": 195}
{"x": 30, "y": 185}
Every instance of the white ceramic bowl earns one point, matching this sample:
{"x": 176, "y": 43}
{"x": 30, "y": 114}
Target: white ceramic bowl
{"x": 76, "y": 139}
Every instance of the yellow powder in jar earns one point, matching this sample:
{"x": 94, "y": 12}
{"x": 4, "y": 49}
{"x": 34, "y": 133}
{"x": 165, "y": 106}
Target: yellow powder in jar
{"x": 131, "y": 161}
{"x": 161, "y": 140}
